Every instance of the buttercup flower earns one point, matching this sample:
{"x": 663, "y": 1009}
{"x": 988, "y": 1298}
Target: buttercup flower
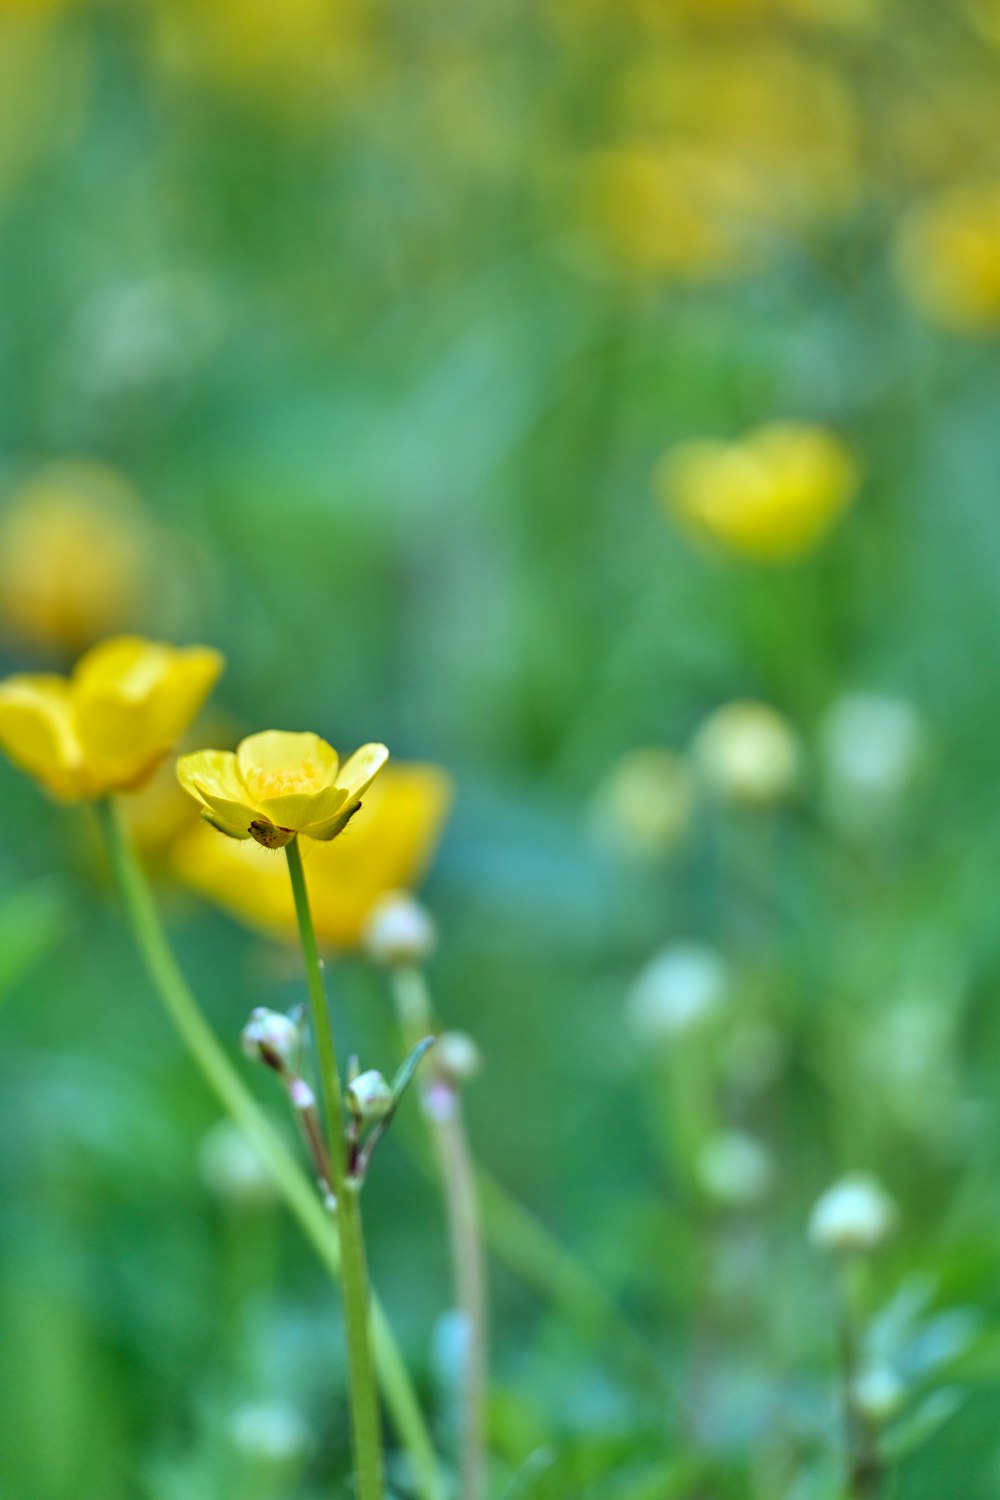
{"x": 277, "y": 785}
{"x": 108, "y": 726}
{"x": 773, "y": 495}
{"x": 387, "y": 849}
{"x": 62, "y": 512}
{"x": 948, "y": 258}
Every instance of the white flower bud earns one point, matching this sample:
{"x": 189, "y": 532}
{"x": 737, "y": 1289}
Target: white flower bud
{"x": 871, "y": 748}
{"x": 456, "y": 1054}
{"x": 272, "y": 1038}
{"x": 878, "y": 1394}
{"x": 735, "y": 1169}
{"x": 643, "y": 807}
{"x": 679, "y": 991}
{"x": 748, "y": 754}
{"x": 853, "y": 1216}
{"x": 369, "y": 1097}
{"x": 270, "y": 1432}
{"x": 399, "y": 931}
{"x": 232, "y": 1168}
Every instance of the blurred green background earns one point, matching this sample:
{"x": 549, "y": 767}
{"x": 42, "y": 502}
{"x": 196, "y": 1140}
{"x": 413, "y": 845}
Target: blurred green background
{"x": 367, "y": 326}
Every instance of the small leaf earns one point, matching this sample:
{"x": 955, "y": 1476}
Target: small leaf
{"x": 921, "y": 1423}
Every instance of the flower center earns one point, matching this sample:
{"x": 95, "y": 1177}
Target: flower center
{"x": 264, "y": 782}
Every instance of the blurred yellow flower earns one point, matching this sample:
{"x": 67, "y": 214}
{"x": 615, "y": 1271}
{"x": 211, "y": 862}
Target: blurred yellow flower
{"x": 293, "y": 55}
{"x": 673, "y": 210}
{"x": 387, "y": 850}
{"x": 724, "y": 146}
{"x": 107, "y": 727}
{"x": 947, "y": 256}
{"x": 645, "y": 804}
{"x": 278, "y": 784}
{"x": 773, "y": 495}
{"x": 73, "y": 555}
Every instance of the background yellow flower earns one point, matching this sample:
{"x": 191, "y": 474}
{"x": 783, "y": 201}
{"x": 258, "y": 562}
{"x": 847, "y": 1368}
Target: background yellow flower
{"x": 772, "y": 496}
{"x": 108, "y": 726}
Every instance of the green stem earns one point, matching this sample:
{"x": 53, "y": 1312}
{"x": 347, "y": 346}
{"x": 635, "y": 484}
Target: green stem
{"x": 864, "y": 1469}
{"x": 291, "y": 1182}
{"x": 365, "y": 1417}
{"x": 517, "y": 1237}
{"x": 442, "y": 1109}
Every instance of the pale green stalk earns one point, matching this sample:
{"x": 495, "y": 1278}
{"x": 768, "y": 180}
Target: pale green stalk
{"x": 365, "y": 1416}
{"x": 442, "y": 1109}
{"x": 289, "y": 1178}
{"x": 520, "y": 1239}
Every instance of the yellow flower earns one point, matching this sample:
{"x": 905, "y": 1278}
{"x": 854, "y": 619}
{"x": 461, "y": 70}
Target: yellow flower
{"x": 64, "y": 512}
{"x": 278, "y": 784}
{"x": 948, "y": 258}
{"x": 107, "y": 727}
{"x": 386, "y": 850}
{"x": 673, "y": 210}
{"x": 773, "y": 495}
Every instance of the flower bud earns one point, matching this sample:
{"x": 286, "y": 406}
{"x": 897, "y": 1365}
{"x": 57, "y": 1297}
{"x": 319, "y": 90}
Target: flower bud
{"x": 682, "y": 989}
{"x": 853, "y": 1216}
{"x": 232, "y": 1168}
{"x": 399, "y": 931}
{"x": 457, "y": 1055}
{"x": 369, "y": 1097}
{"x": 735, "y": 1169}
{"x": 871, "y": 747}
{"x": 271, "y": 1038}
{"x": 878, "y": 1394}
{"x": 748, "y": 754}
{"x": 270, "y": 1433}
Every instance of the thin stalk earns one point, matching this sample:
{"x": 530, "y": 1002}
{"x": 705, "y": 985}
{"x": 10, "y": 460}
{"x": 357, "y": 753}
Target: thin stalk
{"x": 442, "y": 1109}
{"x": 864, "y": 1466}
{"x": 365, "y": 1416}
{"x": 229, "y": 1089}
{"x": 520, "y": 1239}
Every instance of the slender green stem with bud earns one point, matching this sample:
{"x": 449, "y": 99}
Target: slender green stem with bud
{"x": 864, "y": 1467}
{"x": 365, "y": 1416}
{"x": 290, "y": 1180}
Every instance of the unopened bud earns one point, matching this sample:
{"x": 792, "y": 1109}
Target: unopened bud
{"x": 679, "y": 991}
{"x": 270, "y": 1433}
{"x": 748, "y": 754}
{"x": 872, "y": 747}
{"x": 271, "y": 1038}
{"x": 878, "y": 1394}
{"x": 399, "y": 931}
{"x": 457, "y": 1055}
{"x": 853, "y": 1216}
{"x": 735, "y": 1169}
{"x": 369, "y": 1097}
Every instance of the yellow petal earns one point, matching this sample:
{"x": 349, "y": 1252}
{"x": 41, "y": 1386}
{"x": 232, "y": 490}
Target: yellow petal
{"x": 301, "y": 809}
{"x": 244, "y": 879}
{"x": 277, "y": 763}
{"x": 357, "y": 774}
{"x": 214, "y": 770}
{"x": 189, "y": 678}
{"x": 36, "y": 731}
{"x": 125, "y": 664}
{"x": 212, "y": 778}
{"x": 388, "y": 847}
{"x": 132, "y": 699}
